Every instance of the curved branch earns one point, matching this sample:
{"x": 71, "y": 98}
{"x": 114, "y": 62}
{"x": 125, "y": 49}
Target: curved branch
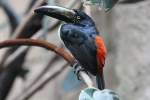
{"x": 60, "y": 51}
{"x": 39, "y": 43}
{"x": 29, "y": 25}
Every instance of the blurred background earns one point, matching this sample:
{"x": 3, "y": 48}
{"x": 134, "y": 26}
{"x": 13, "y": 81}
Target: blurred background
{"x": 125, "y": 30}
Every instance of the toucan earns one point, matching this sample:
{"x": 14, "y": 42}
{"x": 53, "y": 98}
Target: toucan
{"x": 80, "y": 35}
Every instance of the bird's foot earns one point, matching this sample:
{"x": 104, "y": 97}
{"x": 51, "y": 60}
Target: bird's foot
{"x": 78, "y": 73}
{"x": 77, "y": 68}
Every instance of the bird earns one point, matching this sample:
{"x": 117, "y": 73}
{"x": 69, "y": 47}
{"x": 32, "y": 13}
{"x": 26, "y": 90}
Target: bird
{"x": 81, "y": 37}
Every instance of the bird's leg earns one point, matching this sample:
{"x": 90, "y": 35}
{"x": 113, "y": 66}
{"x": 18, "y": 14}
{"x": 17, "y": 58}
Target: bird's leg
{"x": 77, "y": 68}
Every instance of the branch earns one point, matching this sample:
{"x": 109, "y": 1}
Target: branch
{"x": 19, "y": 51}
{"x": 41, "y": 84}
{"x": 39, "y": 43}
{"x": 11, "y": 14}
{"x": 31, "y": 4}
{"x": 8, "y": 75}
{"x": 52, "y": 47}
{"x": 54, "y": 59}
{"x": 49, "y": 46}
{"x": 29, "y": 25}
{"x": 27, "y": 19}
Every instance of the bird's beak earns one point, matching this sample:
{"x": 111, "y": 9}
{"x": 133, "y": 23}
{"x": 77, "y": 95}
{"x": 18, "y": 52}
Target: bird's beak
{"x": 60, "y": 13}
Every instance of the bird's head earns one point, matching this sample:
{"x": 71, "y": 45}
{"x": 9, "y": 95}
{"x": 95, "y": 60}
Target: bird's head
{"x": 76, "y": 22}
{"x": 64, "y": 14}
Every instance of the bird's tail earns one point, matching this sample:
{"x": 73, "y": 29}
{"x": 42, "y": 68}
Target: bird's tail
{"x": 100, "y": 81}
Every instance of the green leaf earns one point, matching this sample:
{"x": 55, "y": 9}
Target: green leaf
{"x": 87, "y": 94}
{"x": 104, "y": 4}
{"x": 105, "y": 95}
{"x": 95, "y": 94}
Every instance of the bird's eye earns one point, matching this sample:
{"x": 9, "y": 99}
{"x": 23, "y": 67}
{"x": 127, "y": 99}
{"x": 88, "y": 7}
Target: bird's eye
{"x": 78, "y": 17}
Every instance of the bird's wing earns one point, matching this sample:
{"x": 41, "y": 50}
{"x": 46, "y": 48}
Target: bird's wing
{"x": 101, "y": 52}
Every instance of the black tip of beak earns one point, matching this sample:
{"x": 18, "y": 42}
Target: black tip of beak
{"x": 38, "y": 10}
{"x": 60, "y": 13}
{"x": 41, "y": 10}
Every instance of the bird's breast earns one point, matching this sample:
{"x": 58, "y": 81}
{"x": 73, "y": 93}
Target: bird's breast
{"x": 86, "y": 55}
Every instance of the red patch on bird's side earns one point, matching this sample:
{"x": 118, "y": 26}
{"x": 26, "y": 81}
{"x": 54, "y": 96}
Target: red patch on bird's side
{"x": 101, "y": 52}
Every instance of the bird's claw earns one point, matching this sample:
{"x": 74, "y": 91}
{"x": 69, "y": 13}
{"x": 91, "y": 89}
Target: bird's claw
{"x": 78, "y": 71}
{"x": 77, "y": 68}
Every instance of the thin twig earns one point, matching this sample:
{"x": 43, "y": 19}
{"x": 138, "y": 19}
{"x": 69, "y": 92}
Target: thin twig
{"x": 86, "y": 79}
{"x": 41, "y": 84}
{"x": 45, "y": 70}
{"x": 29, "y": 25}
{"x": 7, "y": 7}
{"x": 26, "y": 19}
{"x": 31, "y": 4}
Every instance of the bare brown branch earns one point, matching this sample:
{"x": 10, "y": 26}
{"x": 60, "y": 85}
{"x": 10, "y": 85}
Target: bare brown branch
{"x": 39, "y": 43}
{"x": 49, "y": 46}
{"x": 29, "y": 25}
